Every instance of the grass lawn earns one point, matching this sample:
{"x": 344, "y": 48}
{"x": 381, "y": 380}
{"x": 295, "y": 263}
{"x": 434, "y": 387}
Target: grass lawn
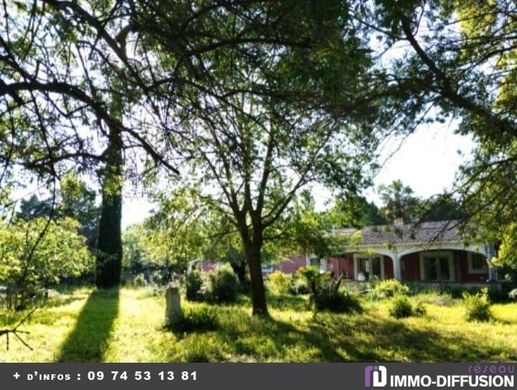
{"x": 126, "y": 326}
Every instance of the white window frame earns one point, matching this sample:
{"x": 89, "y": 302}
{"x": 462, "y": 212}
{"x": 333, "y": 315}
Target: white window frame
{"x": 472, "y": 270}
{"x": 356, "y": 264}
{"x": 448, "y": 254}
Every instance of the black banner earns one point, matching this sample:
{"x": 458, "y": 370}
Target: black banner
{"x": 228, "y": 376}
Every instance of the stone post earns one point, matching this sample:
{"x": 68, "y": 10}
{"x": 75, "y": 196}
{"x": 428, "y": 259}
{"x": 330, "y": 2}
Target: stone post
{"x": 173, "y": 312}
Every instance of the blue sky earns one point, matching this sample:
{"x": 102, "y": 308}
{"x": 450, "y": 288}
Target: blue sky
{"x": 427, "y": 161}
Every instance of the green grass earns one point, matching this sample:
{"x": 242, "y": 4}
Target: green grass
{"x": 126, "y": 325}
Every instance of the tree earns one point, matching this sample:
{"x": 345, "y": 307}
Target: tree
{"x": 74, "y": 200}
{"x": 30, "y": 261}
{"x": 253, "y": 153}
{"x": 78, "y": 201}
{"x": 442, "y": 207}
{"x": 176, "y": 232}
{"x": 398, "y": 202}
{"x": 33, "y": 207}
{"x": 461, "y": 64}
{"x": 353, "y": 211}
{"x": 65, "y": 79}
{"x": 507, "y": 255}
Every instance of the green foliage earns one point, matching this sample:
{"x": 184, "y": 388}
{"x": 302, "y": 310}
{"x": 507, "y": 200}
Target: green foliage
{"x": 33, "y": 258}
{"x": 389, "y": 288}
{"x": 351, "y": 210}
{"x": 477, "y": 306}
{"x": 419, "y": 310}
{"x": 398, "y": 202}
{"x": 135, "y": 254}
{"x": 507, "y": 254}
{"x": 325, "y": 292}
{"x": 175, "y": 233}
{"x": 196, "y": 319}
{"x": 401, "y": 307}
{"x": 139, "y": 280}
{"x": 334, "y": 300}
{"x": 299, "y": 285}
{"x": 223, "y": 285}
{"x": 279, "y": 282}
{"x": 74, "y": 200}
{"x": 193, "y": 284}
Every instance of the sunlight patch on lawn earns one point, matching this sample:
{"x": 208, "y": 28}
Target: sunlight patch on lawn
{"x": 133, "y": 332}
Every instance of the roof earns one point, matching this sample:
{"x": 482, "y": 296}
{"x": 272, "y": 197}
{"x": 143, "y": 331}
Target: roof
{"x": 425, "y": 232}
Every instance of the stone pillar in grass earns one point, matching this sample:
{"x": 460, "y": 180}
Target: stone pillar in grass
{"x": 173, "y": 313}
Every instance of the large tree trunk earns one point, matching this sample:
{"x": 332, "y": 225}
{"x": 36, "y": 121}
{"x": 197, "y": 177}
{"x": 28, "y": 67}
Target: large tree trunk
{"x": 109, "y": 238}
{"x": 258, "y": 292}
{"x": 239, "y": 267}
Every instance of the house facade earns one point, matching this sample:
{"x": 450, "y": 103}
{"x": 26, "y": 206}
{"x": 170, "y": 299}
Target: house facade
{"x": 432, "y": 252}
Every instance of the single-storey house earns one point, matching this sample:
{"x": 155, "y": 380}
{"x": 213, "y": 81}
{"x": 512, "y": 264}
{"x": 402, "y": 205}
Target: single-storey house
{"x": 432, "y": 252}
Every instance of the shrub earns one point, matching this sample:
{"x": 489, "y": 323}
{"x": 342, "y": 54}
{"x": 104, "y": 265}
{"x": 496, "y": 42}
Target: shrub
{"x": 223, "y": 285}
{"x": 298, "y": 286}
{"x": 279, "y": 282}
{"x": 200, "y": 319}
{"x": 419, "y": 310}
{"x": 325, "y": 293}
{"x": 401, "y": 307}
{"x": 193, "y": 284}
{"x": 389, "y": 288}
{"x": 331, "y": 299}
{"x": 477, "y": 306}
{"x": 299, "y": 283}
{"x": 139, "y": 280}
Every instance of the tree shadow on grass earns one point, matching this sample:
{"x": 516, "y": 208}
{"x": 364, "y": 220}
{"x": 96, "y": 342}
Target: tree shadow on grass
{"x": 331, "y": 338}
{"x": 88, "y": 341}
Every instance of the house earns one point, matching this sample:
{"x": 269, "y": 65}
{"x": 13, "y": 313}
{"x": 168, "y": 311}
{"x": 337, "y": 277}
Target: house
{"x": 431, "y": 252}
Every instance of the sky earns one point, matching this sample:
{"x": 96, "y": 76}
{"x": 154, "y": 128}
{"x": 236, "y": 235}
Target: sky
{"x": 426, "y": 160}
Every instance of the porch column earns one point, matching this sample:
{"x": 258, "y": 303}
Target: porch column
{"x": 396, "y": 266}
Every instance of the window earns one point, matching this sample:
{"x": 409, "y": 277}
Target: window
{"x": 315, "y": 262}
{"x": 436, "y": 266}
{"x": 370, "y": 266}
{"x": 477, "y": 263}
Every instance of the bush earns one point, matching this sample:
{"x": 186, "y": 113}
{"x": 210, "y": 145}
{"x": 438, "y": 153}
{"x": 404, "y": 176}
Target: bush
{"x": 298, "y": 286}
{"x": 200, "y": 319}
{"x": 299, "y": 283}
{"x": 401, "y": 307}
{"x": 389, "y": 288}
{"x": 419, "y": 310}
{"x": 325, "y": 293}
{"x": 139, "y": 280}
{"x": 477, "y": 306}
{"x": 223, "y": 286}
{"x": 331, "y": 299}
{"x": 193, "y": 284}
{"x": 279, "y": 282}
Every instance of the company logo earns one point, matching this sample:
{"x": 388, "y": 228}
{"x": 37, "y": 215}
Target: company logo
{"x": 375, "y": 376}
{"x": 493, "y": 376}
